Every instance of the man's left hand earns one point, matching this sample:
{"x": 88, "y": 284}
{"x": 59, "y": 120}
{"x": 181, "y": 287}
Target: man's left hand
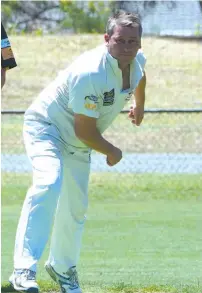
{"x": 136, "y": 114}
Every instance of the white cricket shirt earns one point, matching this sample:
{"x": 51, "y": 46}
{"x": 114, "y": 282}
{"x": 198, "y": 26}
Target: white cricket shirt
{"x": 92, "y": 86}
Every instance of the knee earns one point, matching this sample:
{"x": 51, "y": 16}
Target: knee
{"x": 79, "y": 213}
{"x": 47, "y": 190}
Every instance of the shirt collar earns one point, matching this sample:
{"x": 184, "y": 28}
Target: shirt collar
{"x": 113, "y": 62}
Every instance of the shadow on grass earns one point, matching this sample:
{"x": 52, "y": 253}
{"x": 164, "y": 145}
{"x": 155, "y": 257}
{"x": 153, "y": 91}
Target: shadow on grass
{"x": 44, "y": 286}
{"x": 6, "y": 287}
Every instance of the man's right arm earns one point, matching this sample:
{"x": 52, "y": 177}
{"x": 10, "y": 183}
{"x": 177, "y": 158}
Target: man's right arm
{"x": 87, "y": 132}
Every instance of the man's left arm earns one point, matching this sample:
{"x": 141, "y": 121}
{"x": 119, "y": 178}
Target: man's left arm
{"x": 136, "y": 113}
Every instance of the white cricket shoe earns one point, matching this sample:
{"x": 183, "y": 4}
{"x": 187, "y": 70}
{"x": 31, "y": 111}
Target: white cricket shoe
{"x": 24, "y": 280}
{"x": 68, "y": 284}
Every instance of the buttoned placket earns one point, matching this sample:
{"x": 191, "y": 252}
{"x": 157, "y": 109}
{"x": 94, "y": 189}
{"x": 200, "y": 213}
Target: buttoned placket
{"x": 118, "y": 73}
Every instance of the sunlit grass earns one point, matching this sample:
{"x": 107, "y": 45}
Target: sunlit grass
{"x": 173, "y": 68}
{"x": 143, "y": 238}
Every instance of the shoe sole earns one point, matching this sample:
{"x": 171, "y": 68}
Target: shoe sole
{"x": 50, "y": 272}
{"x": 54, "y": 277}
{"x": 21, "y": 289}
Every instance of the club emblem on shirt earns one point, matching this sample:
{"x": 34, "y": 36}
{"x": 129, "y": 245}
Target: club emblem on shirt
{"x": 91, "y": 102}
{"x": 108, "y": 98}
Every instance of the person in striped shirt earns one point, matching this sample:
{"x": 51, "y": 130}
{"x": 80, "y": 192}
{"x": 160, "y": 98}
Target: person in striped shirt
{"x": 7, "y": 57}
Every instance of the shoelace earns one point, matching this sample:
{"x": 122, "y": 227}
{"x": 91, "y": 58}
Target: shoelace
{"x": 29, "y": 275}
{"x": 73, "y": 277}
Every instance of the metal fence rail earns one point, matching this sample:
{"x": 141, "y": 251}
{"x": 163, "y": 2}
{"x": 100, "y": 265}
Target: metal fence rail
{"x": 20, "y": 112}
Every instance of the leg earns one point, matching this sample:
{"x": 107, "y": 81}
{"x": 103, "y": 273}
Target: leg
{"x": 70, "y": 215}
{"x": 39, "y": 207}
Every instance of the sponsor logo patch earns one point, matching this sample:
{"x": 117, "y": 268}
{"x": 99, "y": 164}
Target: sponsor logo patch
{"x": 5, "y": 43}
{"x": 90, "y": 106}
{"x": 92, "y": 98}
{"x": 108, "y": 98}
{"x": 7, "y": 53}
{"x": 91, "y": 102}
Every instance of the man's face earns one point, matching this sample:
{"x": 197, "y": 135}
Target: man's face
{"x": 124, "y": 43}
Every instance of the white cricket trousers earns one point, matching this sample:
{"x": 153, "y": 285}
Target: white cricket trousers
{"x": 58, "y": 198}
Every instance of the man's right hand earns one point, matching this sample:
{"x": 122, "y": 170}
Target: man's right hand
{"x": 86, "y": 130}
{"x": 114, "y": 157}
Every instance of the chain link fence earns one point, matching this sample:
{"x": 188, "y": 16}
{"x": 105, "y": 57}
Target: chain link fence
{"x": 165, "y": 148}
{"x": 168, "y": 143}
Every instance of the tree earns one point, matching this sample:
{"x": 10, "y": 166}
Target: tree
{"x": 29, "y": 15}
{"x": 79, "y": 16}
{"x": 200, "y": 4}
{"x": 86, "y": 16}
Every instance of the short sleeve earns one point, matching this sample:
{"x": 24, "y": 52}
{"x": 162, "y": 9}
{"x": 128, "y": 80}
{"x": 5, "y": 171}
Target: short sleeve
{"x": 7, "y": 58}
{"x": 83, "y": 96}
{"x": 141, "y": 59}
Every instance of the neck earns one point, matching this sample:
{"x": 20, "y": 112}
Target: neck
{"x": 123, "y": 66}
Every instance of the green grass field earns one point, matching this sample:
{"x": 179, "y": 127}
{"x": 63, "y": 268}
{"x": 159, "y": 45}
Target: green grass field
{"x": 143, "y": 231}
{"x": 173, "y": 71}
{"x": 147, "y": 239}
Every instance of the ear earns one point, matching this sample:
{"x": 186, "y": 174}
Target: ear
{"x": 106, "y": 37}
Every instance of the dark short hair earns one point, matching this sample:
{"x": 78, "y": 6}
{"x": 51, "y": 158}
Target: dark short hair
{"x": 123, "y": 18}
